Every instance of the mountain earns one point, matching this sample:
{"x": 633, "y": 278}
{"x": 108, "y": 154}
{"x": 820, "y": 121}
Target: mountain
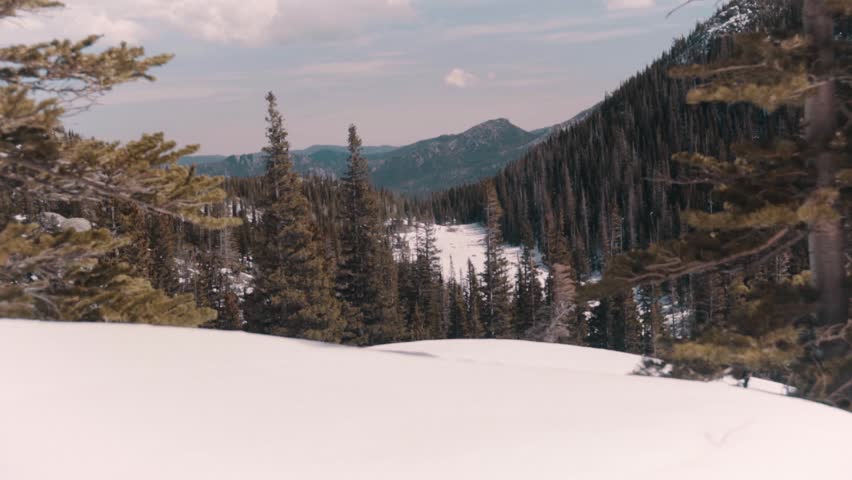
{"x": 451, "y": 160}
{"x": 422, "y": 167}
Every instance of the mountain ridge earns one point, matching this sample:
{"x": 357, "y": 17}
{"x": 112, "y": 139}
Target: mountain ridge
{"x": 420, "y": 167}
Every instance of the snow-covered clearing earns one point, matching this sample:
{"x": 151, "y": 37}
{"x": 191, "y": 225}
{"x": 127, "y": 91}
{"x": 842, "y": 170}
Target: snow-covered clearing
{"x": 458, "y": 243}
{"x": 105, "y": 402}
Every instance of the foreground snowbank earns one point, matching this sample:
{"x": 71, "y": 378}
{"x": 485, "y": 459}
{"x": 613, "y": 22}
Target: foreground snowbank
{"x": 133, "y": 402}
{"x": 529, "y": 354}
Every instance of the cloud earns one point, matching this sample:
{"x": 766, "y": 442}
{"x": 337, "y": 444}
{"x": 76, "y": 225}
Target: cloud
{"x": 460, "y": 79}
{"x": 251, "y": 22}
{"x": 73, "y": 22}
{"x": 629, "y": 4}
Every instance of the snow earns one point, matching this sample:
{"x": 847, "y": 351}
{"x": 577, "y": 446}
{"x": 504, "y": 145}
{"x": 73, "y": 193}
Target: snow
{"x": 542, "y": 355}
{"x": 458, "y": 243}
{"x": 522, "y": 354}
{"x": 103, "y": 401}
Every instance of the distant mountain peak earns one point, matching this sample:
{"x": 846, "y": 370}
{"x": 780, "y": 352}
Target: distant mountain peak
{"x": 493, "y": 125}
{"x": 493, "y": 130}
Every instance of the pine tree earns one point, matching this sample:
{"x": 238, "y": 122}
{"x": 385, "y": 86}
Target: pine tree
{"x": 367, "y": 271}
{"x": 654, "y": 337}
{"x": 474, "y": 302}
{"x": 162, "y": 241}
{"x": 627, "y": 331}
{"x": 293, "y": 292}
{"x": 528, "y": 293}
{"x": 429, "y": 281}
{"x": 560, "y": 321}
{"x": 419, "y": 330}
{"x": 458, "y": 321}
{"x": 774, "y": 195}
{"x": 497, "y": 312}
{"x": 599, "y": 324}
{"x": 58, "y": 275}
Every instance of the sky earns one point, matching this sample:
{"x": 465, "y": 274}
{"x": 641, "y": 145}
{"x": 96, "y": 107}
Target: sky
{"x": 402, "y": 70}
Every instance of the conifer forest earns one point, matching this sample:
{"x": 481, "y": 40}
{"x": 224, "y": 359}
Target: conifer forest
{"x": 698, "y": 217}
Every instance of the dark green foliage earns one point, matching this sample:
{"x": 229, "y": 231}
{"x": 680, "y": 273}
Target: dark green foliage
{"x": 475, "y": 304}
{"x": 366, "y": 272}
{"x": 496, "y": 293}
{"x": 428, "y": 282}
{"x": 458, "y": 319}
{"x": 293, "y": 292}
{"x": 75, "y": 274}
{"x": 528, "y": 293}
{"x": 627, "y": 327}
{"x": 764, "y": 200}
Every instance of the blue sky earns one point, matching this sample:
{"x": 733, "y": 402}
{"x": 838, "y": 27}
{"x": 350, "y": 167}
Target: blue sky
{"x": 402, "y": 70}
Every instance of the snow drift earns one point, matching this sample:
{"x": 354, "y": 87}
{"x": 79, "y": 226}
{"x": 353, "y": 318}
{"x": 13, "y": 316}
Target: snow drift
{"x": 97, "y": 401}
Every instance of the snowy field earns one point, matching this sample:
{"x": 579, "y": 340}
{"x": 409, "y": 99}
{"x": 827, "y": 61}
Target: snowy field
{"x": 105, "y": 402}
{"x": 458, "y": 243}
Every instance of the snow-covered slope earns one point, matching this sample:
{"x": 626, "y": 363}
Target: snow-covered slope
{"x": 458, "y": 243}
{"x": 543, "y": 355}
{"x": 105, "y": 402}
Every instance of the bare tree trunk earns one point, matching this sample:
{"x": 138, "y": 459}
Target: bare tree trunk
{"x": 826, "y": 241}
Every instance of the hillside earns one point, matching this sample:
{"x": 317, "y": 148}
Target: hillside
{"x": 451, "y": 160}
{"x": 100, "y": 402}
{"x": 604, "y": 179}
{"x": 321, "y": 160}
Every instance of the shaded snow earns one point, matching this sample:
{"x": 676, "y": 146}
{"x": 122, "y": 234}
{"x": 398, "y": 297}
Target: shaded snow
{"x": 105, "y": 402}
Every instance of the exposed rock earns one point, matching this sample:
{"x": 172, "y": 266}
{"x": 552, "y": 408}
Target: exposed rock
{"x": 54, "y": 222}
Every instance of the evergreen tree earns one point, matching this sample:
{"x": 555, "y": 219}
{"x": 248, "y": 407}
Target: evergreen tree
{"x": 458, "y": 321}
{"x": 59, "y": 275}
{"x": 429, "y": 281}
{"x": 560, "y": 321}
{"x": 773, "y": 195}
{"x": 293, "y": 292}
{"x": 162, "y": 242}
{"x": 528, "y": 293}
{"x": 474, "y": 302}
{"x": 497, "y": 312}
{"x": 653, "y": 332}
{"x": 600, "y": 324}
{"x": 626, "y": 335}
{"x": 366, "y": 273}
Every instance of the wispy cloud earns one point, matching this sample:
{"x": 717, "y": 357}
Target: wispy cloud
{"x": 248, "y": 22}
{"x": 460, "y": 79}
{"x": 629, "y": 4}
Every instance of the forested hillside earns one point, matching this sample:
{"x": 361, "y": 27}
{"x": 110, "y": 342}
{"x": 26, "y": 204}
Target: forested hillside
{"x": 605, "y": 184}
